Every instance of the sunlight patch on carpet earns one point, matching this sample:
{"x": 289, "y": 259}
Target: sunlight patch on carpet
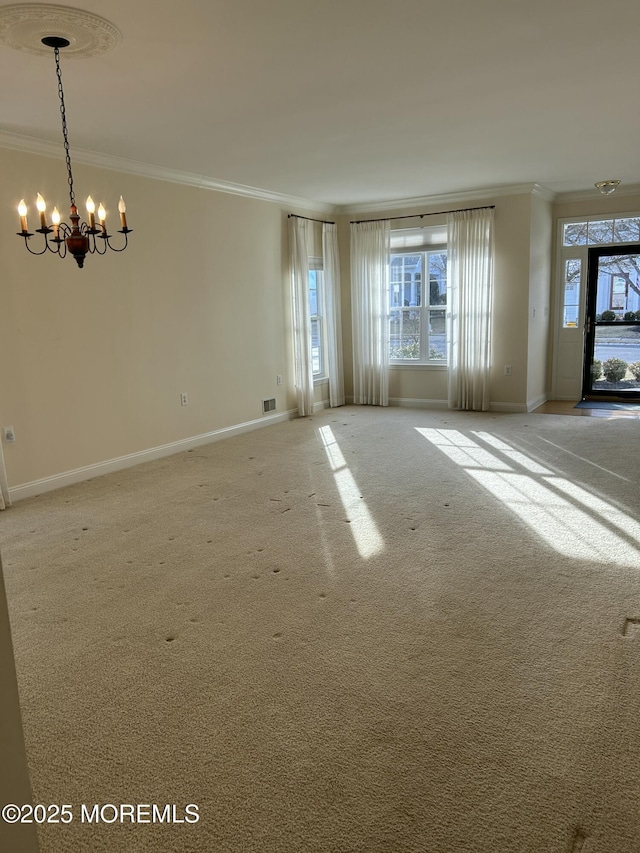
{"x": 570, "y": 519}
{"x": 368, "y": 540}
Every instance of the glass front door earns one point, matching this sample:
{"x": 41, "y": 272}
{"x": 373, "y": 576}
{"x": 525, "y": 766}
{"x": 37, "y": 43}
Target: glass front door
{"x": 612, "y": 329}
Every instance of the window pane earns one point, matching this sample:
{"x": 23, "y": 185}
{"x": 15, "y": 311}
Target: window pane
{"x": 313, "y": 293}
{"x": 572, "y": 270}
{"x": 575, "y": 234}
{"x": 600, "y": 232}
{"x": 404, "y": 337}
{"x": 437, "y": 335}
{"x": 626, "y": 230}
{"x": 405, "y": 280}
{"x": 316, "y": 337}
{"x": 437, "y": 278}
{"x": 409, "y": 329}
{"x": 395, "y": 332}
{"x": 410, "y": 341}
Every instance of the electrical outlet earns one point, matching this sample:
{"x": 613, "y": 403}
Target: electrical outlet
{"x": 9, "y": 434}
{"x": 279, "y": 379}
{"x": 184, "y": 400}
{"x": 507, "y": 370}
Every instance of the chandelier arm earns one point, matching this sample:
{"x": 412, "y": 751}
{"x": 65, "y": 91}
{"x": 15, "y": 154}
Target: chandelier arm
{"x": 30, "y": 250}
{"x": 95, "y": 249}
{"x": 126, "y": 241}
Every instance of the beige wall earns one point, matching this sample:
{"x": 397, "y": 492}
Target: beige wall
{"x": 94, "y": 360}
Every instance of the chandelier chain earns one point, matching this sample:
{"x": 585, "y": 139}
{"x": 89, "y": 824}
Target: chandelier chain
{"x": 63, "y": 113}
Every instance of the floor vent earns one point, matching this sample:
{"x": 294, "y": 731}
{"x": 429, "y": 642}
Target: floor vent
{"x": 269, "y": 405}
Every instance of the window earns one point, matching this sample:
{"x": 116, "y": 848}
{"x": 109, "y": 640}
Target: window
{"x": 417, "y": 304}
{"x": 576, "y": 238}
{"x": 572, "y": 275}
{"x": 316, "y": 316}
{"x": 601, "y": 232}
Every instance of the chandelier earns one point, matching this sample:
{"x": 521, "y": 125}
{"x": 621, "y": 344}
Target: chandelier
{"x": 79, "y": 238}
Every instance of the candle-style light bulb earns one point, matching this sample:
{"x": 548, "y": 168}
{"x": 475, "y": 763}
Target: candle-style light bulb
{"x": 22, "y": 213}
{"x": 91, "y": 210}
{"x": 55, "y": 219}
{"x": 122, "y": 208}
{"x": 42, "y": 206}
{"x": 102, "y": 215}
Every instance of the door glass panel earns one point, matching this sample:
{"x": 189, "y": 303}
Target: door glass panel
{"x": 613, "y": 348}
{"x": 616, "y": 366}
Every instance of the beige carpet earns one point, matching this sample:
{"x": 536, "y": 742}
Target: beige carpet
{"x": 364, "y": 632}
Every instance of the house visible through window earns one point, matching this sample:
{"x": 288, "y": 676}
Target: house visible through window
{"x": 418, "y": 297}
{"x": 316, "y": 312}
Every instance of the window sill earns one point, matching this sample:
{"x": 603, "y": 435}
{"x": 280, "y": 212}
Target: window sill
{"x": 320, "y": 380}
{"x": 396, "y": 365}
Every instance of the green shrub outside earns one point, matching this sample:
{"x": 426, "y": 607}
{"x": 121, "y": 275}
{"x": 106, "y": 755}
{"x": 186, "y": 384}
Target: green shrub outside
{"x": 608, "y": 316}
{"x": 412, "y": 351}
{"x": 596, "y": 369}
{"x": 614, "y": 369}
{"x": 630, "y": 316}
{"x": 635, "y": 370}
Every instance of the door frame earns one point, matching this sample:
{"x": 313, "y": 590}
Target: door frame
{"x": 590, "y": 322}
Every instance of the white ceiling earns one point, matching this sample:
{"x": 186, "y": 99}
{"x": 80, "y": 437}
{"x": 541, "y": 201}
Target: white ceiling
{"x": 352, "y": 101}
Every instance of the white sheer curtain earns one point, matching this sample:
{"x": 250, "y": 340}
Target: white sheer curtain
{"x": 331, "y": 266}
{"x": 470, "y": 288}
{"x": 5, "y": 499}
{"x": 370, "y": 248}
{"x": 299, "y": 231}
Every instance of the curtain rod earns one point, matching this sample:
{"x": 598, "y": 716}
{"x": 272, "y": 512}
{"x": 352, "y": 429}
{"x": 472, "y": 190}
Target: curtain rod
{"x": 324, "y": 221}
{"x": 421, "y": 215}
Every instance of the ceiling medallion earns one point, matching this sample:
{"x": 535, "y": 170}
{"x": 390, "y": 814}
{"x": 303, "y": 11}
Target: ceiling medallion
{"x": 24, "y": 25}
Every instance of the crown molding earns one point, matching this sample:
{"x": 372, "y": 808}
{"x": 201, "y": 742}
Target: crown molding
{"x": 593, "y": 194}
{"x": 44, "y": 148}
{"x": 481, "y": 194}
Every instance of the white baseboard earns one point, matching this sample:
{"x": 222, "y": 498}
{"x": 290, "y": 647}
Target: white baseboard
{"x": 88, "y": 472}
{"x": 323, "y": 404}
{"x": 512, "y": 408}
{"x": 537, "y": 401}
{"x": 416, "y": 403}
